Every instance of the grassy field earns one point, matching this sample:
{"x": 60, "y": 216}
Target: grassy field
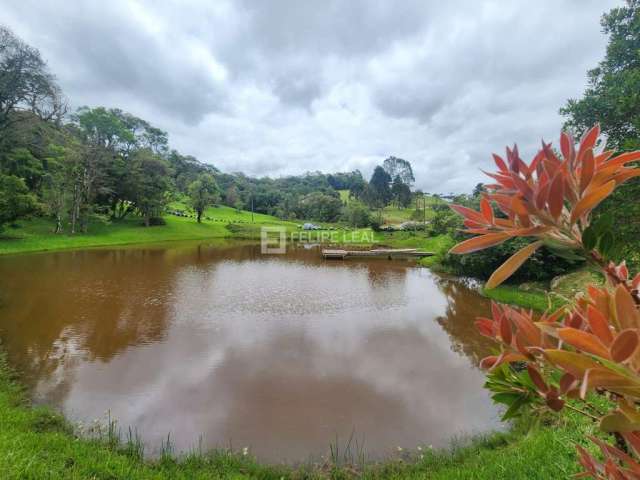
{"x": 539, "y": 300}
{"x": 393, "y": 215}
{"x": 37, "y": 443}
{"x": 561, "y": 291}
{"x": 226, "y": 214}
{"x": 36, "y": 234}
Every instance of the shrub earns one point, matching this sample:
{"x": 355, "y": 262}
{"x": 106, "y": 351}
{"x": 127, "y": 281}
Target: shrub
{"x": 590, "y": 346}
{"x": 157, "y": 221}
{"x": 356, "y": 214}
{"x": 543, "y": 265}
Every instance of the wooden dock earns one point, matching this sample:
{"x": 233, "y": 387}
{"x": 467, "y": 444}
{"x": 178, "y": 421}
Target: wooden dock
{"x": 389, "y": 253}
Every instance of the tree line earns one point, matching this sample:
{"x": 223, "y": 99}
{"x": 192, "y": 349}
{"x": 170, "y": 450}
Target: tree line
{"x": 74, "y": 166}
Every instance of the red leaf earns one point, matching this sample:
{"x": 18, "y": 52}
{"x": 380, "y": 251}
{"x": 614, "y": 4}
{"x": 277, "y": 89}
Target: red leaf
{"x": 553, "y": 402}
{"x": 591, "y": 198}
{"x": 487, "y": 212}
{"x": 574, "y": 363}
{"x": 624, "y": 346}
{"x": 622, "y": 270}
{"x": 500, "y": 163}
{"x": 485, "y": 327}
{"x": 535, "y": 163}
{"x": 526, "y": 328}
{"x": 479, "y": 243}
{"x": 567, "y": 381}
{"x": 505, "y": 330}
{"x": 599, "y": 325}
{"x": 588, "y": 165}
{"x": 537, "y": 379}
{"x": 518, "y": 206}
{"x": 584, "y": 341}
{"x": 496, "y": 312}
{"x": 623, "y": 159}
{"x": 626, "y": 311}
{"x": 507, "y": 269}
{"x": 589, "y": 138}
{"x": 634, "y": 440}
{"x": 625, "y": 175}
{"x": 522, "y": 186}
{"x": 488, "y": 362}
{"x": 468, "y": 213}
{"x": 566, "y": 146}
{"x": 556, "y": 195}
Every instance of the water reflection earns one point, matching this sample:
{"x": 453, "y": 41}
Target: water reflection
{"x": 279, "y": 353}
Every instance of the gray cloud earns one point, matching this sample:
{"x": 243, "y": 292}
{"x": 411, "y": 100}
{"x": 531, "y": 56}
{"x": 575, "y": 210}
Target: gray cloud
{"x": 283, "y": 87}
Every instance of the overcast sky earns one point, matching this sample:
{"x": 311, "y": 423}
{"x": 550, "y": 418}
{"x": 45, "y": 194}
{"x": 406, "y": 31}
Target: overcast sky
{"x": 286, "y": 86}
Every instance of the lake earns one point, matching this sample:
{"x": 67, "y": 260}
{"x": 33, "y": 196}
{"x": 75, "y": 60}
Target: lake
{"x": 220, "y": 346}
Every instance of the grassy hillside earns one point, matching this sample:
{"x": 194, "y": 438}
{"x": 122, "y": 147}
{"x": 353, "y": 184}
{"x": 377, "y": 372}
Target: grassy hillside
{"x": 394, "y": 215}
{"x": 37, "y": 234}
{"x": 226, "y": 214}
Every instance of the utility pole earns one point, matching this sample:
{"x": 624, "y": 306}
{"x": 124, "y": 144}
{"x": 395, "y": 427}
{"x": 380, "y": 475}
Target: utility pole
{"x": 252, "y": 208}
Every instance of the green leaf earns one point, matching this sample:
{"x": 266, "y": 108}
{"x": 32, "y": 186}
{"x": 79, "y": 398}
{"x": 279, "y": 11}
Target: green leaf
{"x": 590, "y": 238}
{"x": 607, "y": 244}
{"x": 515, "y": 407}
{"x": 617, "y": 422}
{"x": 505, "y": 398}
{"x": 602, "y": 225}
{"x": 562, "y": 251}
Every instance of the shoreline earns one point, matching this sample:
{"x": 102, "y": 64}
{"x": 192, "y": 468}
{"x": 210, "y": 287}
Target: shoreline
{"x": 37, "y": 239}
{"x": 62, "y": 453}
{"x": 37, "y": 442}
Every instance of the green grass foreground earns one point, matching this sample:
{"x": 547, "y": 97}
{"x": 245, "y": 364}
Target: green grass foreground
{"x": 36, "y": 443}
{"x": 561, "y": 291}
{"x": 515, "y": 295}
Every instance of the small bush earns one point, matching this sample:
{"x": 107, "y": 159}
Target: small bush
{"x": 157, "y": 221}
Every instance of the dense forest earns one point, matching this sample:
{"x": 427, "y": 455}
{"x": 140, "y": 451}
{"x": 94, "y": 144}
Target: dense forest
{"x": 74, "y": 166}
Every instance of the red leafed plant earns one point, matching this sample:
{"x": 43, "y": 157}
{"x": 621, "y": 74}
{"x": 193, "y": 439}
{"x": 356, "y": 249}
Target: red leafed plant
{"x": 591, "y": 345}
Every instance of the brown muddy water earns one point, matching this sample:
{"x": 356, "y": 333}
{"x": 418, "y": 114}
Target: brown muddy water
{"x": 218, "y": 346}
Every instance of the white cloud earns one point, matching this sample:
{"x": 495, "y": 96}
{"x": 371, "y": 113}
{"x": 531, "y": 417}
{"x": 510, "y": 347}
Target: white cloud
{"x": 284, "y": 87}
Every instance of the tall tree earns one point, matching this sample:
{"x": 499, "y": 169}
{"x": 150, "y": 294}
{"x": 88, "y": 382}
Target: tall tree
{"x": 26, "y": 86}
{"x": 401, "y": 192}
{"x": 202, "y": 193}
{"x": 399, "y": 167}
{"x": 150, "y": 181}
{"x": 116, "y": 136}
{"x": 378, "y": 192}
